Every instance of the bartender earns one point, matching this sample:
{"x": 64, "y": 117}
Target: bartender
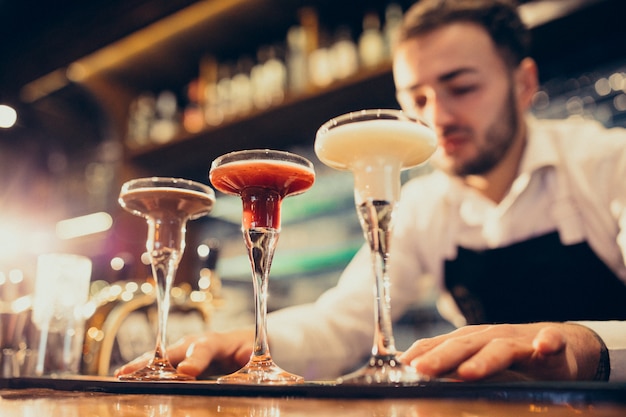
{"x": 519, "y": 229}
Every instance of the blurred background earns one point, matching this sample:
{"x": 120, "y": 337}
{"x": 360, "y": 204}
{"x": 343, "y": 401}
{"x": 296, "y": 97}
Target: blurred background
{"x": 95, "y": 93}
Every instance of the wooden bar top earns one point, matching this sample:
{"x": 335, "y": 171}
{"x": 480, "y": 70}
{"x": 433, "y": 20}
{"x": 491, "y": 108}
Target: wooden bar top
{"x": 40, "y": 398}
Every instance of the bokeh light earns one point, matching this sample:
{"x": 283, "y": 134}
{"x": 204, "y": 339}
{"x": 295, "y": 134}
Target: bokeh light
{"x": 8, "y": 116}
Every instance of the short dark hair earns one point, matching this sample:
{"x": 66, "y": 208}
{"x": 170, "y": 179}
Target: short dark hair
{"x": 499, "y": 18}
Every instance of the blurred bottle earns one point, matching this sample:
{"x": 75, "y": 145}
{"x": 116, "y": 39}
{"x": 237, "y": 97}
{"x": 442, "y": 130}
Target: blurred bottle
{"x": 344, "y": 54}
{"x": 213, "y": 115}
{"x": 393, "y": 20}
{"x": 224, "y": 90}
{"x": 277, "y": 75}
{"x": 302, "y": 40}
{"x": 242, "y": 87}
{"x": 297, "y": 60}
{"x": 258, "y": 76}
{"x": 269, "y": 78}
{"x": 140, "y": 120}
{"x": 371, "y": 41}
{"x": 193, "y": 117}
{"x": 165, "y": 125}
{"x": 321, "y": 65}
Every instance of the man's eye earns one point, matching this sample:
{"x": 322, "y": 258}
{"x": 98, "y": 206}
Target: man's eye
{"x": 464, "y": 89}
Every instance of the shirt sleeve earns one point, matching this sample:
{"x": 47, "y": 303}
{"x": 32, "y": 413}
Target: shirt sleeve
{"x": 335, "y": 334}
{"x": 613, "y": 333}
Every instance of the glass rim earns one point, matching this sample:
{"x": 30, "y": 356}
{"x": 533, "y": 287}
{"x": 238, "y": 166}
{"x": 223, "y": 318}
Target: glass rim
{"x": 174, "y": 182}
{"x": 260, "y": 154}
{"x": 369, "y": 114}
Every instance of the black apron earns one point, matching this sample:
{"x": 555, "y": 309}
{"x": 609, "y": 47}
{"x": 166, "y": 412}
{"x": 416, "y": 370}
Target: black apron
{"x": 535, "y": 280}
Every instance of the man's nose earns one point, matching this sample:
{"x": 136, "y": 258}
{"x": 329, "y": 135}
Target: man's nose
{"x": 437, "y": 110}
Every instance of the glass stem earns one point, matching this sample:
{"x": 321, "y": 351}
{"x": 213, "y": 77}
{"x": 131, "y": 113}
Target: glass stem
{"x": 376, "y": 221}
{"x": 261, "y": 243}
{"x": 165, "y": 247}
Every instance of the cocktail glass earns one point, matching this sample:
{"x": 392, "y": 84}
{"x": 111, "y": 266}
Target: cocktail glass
{"x": 376, "y": 145}
{"x": 262, "y": 178}
{"x": 166, "y": 204}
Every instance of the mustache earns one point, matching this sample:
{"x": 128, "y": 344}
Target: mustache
{"x": 450, "y": 130}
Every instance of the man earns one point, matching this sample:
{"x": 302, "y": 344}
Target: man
{"x": 521, "y": 222}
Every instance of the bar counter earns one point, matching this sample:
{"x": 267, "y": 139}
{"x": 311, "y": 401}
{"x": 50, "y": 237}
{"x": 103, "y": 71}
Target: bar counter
{"x": 103, "y": 397}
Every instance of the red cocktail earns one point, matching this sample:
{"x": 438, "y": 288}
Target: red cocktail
{"x": 262, "y": 178}
{"x": 262, "y": 184}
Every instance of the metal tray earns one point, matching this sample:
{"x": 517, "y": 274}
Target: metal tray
{"x": 541, "y": 392}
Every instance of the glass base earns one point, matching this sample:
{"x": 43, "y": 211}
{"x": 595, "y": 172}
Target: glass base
{"x": 261, "y": 372}
{"x": 156, "y": 371}
{"x": 383, "y": 370}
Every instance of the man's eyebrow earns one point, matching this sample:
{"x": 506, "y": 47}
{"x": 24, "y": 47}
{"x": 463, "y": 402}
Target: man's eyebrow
{"x": 442, "y": 78}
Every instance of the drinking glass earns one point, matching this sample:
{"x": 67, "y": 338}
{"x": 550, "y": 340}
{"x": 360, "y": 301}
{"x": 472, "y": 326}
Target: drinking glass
{"x": 376, "y": 145}
{"x": 262, "y": 179}
{"x": 166, "y": 204}
{"x": 61, "y": 292}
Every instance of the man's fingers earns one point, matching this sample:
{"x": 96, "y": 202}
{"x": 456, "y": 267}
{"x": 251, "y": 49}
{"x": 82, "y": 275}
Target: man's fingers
{"x": 422, "y": 346}
{"x": 134, "y": 365}
{"x": 493, "y": 358}
{"x": 532, "y": 351}
{"x": 177, "y": 351}
{"x": 549, "y": 341}
{"x": 446, "y": 356}
{"x": 192, "y": 355}
{"x": 197, "y": 357}
{"x": 471, "y": 353}
{"x": 224, "y": 353}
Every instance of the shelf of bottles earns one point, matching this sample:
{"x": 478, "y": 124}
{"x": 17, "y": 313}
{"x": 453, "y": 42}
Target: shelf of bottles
{"x": 309, "y": 61}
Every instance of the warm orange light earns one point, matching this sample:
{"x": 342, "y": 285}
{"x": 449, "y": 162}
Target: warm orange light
{"x": 84, "y": 225}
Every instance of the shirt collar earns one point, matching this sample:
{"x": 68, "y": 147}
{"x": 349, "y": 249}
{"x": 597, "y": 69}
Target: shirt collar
{"x": 539, "y": 151}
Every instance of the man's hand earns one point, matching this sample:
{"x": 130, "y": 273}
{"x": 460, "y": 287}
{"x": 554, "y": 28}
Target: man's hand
{"x": 206, "y": 354}
{"x": 536, "y": 351}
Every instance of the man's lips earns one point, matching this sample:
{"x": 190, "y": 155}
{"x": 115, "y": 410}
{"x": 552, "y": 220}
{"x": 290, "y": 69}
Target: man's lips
{"x": 452, "y": 144}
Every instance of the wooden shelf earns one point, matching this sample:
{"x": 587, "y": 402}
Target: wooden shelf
{"x": 168, "y": 51}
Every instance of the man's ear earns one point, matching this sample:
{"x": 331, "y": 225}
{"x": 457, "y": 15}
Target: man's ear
{"x": 526, "y": 82}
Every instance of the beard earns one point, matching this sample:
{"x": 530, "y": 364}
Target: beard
{"x": 498, "y": 140}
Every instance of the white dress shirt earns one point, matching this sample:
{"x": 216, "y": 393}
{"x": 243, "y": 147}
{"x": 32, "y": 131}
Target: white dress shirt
{"x": 572, "y": 179}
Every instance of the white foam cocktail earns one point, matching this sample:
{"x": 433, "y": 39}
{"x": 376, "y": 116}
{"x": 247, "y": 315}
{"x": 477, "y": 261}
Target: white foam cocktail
{"x": 375, "y": 150}
{"x": 376, "y": 145}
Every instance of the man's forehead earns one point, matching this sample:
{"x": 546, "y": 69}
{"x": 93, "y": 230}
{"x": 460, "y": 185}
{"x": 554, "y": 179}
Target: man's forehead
{"x": 455, "y": 49}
